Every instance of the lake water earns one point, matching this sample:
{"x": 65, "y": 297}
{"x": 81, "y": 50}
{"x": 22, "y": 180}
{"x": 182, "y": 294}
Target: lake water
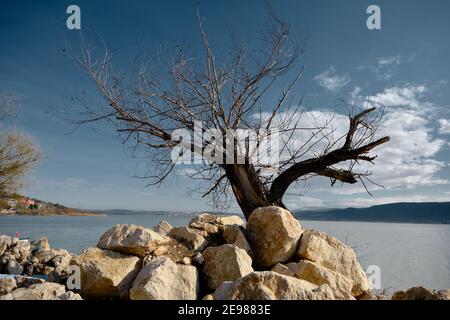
{"x": 407, "y": 254}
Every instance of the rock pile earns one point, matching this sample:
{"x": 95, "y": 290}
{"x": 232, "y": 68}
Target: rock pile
{"x": 22, "y": 260}
{"x": 28, "y": 258}
{"x": 213, "y": 257}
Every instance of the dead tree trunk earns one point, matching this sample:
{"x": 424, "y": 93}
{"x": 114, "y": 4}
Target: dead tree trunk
{"x": 250, "y": 193}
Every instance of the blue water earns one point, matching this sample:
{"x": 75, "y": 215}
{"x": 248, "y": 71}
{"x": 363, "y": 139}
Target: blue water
{"x": 407, "y": 254}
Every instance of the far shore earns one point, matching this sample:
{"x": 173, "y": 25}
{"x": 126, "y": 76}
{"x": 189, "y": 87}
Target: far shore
{"x": 67, "y": 214}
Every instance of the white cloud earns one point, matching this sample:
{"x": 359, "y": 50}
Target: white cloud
{"x": 444, "y": 126}
{"x": 406, "y": 162}
{"x": 373, "y": 201}
{"x": 407, "y": 95}
{"x": 304, "y": 202}
{"x": 384, "y": 67}
{"x": 388, "y": 61}
{"x": 332, "y": 81}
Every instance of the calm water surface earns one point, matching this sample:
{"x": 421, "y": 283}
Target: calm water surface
{"x": 407, "y": 254}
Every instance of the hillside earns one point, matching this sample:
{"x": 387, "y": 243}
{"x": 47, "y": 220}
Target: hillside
{"x": 21, "y": 205}
{"x": 424, "y": 212}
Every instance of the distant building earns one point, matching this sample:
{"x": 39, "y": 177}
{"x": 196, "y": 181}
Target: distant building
{"x": 7, "y": 211}
{"x": 12, "y": 203}
{"x": 26, "y": 201}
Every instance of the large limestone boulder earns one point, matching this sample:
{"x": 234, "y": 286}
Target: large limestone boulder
{"x": 163, "y": 279}
{"x": 131, "y": 239}
{"x": 189, "y": 238}
{"x": 421, "y": 293}
{"x": 329, "y": 252}
{"x": 42, "y": 291}
{"x": 105, "y": 273}
{"x": 274, "y": 234}
{"x": 234, "y": 235}
{"x": 163, "y": 228}
{"x": 317, "y": 274}
{"x": 212, "y": 224}
{"x": 225, "y": 263}
{"x": 268, "y": 285}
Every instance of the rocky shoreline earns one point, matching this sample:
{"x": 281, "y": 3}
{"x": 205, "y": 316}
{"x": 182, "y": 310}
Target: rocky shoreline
{"x": 213, "y": 258}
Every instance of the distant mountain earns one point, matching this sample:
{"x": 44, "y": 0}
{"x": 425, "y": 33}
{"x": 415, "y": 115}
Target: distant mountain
{"x": 422, "y": 212}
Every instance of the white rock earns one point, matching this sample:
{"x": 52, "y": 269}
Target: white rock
{"x": 213, "y": 223}
{"x": 160, "y": 251}
{"x": 274, "y": 234}
{"x": 5, "y": 242}
{"x": 131, "y": 239}
{"x": 283, "y": 269}
{"x": 40, "y": 244}
{"x": 268, "y": 285}
{"x": 7, "y": 285}
{"x": 69, "y": 295}
{"x": 189, "y": 237}
{"x": 234, "y": 235}
{"x": 163, "y": 279}
{"x": 225, "y": 263}
{"x": 105, "y": 273}
{"x": 42, "y": 291}
{"x": 317, "y": 274}
{"x": 329, "y": 252}
{"x": 163, "y": 228}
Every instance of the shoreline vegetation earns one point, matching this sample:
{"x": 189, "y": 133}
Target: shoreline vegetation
{"x": 213, "y": 257}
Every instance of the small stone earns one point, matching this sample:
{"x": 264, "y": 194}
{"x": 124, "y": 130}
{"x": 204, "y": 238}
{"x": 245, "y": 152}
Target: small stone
{"x": 40, "y": 244}
{"x": 69, "y": 295}
{"x": 7, "y": 285}
{"x": 14, "y": 267}
{"x": 198, "y": 259}
{"x": 42, "y": 291}
{"x": 160, "y": 251}
{"x": 189, "y": 237}
{"x": 14, "y": 241}
{"x": 283, "y": 269}
{"x": 163, "y": 228}
{"x": 186, "y": 261}
{"x": 26, "y": 281}
{"x": 45, "y": 256}
{"x": 34, "y": 260}
{"x": 5, "y": 242}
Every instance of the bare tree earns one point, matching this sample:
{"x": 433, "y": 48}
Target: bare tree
{"x": 227, "y": 94}
{"x": 18, "y": 152}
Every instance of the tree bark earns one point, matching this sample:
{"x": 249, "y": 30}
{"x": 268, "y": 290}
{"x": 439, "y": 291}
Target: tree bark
{"x": 250, "y": 193}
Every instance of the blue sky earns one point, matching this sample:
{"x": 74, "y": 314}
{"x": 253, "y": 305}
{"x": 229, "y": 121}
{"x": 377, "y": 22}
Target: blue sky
{"x": 404, "y": 65}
